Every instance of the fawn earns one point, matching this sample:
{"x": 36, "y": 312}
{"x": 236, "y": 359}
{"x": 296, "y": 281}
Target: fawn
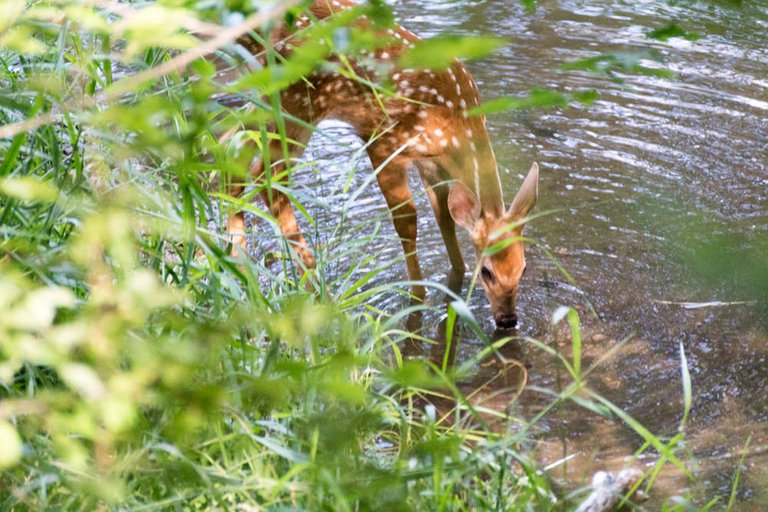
{"x": 427, "y": 125}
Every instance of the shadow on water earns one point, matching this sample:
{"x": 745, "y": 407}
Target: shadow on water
{"x": 653, "y": 177}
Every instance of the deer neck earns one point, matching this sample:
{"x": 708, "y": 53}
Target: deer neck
{"x": 473, "y": 162}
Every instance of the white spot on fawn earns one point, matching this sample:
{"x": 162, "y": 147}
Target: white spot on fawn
{"x": 449, "y": 104}
{"x": 423, "y": 114}
{"x": 455, "y": 141}
{"x": 438, "y": 132}
{"x": 463, "y": 104}
{"x": 419, "y": 128}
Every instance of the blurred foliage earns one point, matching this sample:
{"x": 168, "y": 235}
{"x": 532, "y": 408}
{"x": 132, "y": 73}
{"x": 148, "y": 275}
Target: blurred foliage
{"x": 439, "y": 52}
{"x": 536, "y": 99}
{"x": 671, "y": 30}
{"x": 614, "y": 64}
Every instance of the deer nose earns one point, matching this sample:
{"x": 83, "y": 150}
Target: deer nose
{"x": 506, "y": 321}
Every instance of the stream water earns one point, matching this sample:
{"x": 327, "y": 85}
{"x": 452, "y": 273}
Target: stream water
{"x": 632, "y": 184}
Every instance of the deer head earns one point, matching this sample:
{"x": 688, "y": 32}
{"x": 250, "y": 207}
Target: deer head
{"x": 500, "y": 270}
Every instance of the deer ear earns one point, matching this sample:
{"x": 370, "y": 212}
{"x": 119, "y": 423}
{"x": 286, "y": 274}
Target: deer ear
{"x": 526, "y": 197}
{"x": 463, "y": 205}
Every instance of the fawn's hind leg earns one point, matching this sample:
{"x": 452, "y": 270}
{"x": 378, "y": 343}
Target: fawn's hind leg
{"x": 278, "y": 203}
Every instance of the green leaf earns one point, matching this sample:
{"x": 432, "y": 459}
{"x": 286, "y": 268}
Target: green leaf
{"x": 737, "y": 476}
{"x": 10, "y": 11}
{"x": 28, "y": 188}
{"x": 620, "y": 62}
{"x": 438, "y": 53}
{"x": 279, "y": 76}
{"x": 537, "y": 98}
{"x": 156, "y": 26}
{"x": 413, "y": 373}
{"x": 575, "y": 325}
{"x": 587, "y": 97}
{"x": 10, "y": 445}
{"x": 591, "y": 405}
{"x": 672, "y": 30}
{"x": 83, "y": 380}
{"x": 87, "y": 17}
{"x": 21, "y": 39}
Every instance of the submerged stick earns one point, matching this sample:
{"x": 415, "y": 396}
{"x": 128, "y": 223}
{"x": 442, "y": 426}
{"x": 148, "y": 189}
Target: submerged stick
{"x": 710, "y": 304}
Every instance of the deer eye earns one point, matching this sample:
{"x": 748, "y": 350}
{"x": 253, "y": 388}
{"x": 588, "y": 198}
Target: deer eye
{"x": 486, "y": 274}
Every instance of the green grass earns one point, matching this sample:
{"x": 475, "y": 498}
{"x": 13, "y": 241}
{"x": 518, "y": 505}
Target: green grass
{"x": 142, "y": 368}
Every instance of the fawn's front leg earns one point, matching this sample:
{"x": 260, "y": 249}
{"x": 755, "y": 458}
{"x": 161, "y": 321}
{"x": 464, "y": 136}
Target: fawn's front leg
{"x": 437, "y": 192}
